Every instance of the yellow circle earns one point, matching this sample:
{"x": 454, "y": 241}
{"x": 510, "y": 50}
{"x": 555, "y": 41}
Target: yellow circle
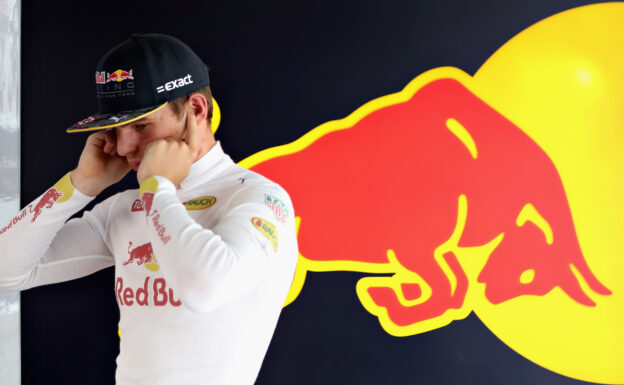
{"x": 562, "y": 82}
{"x": 216, "y": 116}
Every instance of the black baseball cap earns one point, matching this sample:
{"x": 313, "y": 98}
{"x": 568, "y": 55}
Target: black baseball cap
{"x": 139, "y": 76}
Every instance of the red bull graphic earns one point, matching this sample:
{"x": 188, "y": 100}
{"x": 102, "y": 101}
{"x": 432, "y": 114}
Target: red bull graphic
{"x": 48, "y": 199}
{"x": 159, "y": 227}
{"x": 59, "y": 193}
{"x": 453, "y": 207}
{"x": 142, "y": 255}
{"x": 118, "y": 76}
{"x": 451, "y": 173}
{"x": 159, "y": 295}
{"x": 16, "y": 219}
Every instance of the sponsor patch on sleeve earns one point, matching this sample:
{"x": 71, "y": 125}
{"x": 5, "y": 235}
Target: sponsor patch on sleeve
{"x": 267, "y": 229}
{"x": 279, "y": 208}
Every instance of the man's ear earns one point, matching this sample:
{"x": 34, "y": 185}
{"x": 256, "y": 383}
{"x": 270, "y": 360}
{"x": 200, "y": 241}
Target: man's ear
{"x": 200, "y": 106}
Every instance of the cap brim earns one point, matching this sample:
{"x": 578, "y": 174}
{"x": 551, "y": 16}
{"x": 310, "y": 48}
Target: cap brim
{"x": 103, "y": 121}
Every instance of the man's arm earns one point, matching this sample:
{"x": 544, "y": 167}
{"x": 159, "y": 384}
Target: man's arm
{"x": 210, "y": 267}
{"x": 37, "y": 247}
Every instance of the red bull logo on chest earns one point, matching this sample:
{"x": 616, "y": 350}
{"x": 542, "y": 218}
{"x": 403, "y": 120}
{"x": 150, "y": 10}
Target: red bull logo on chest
{"x": 154, "y": 293}
{"x": 142, "y": 255}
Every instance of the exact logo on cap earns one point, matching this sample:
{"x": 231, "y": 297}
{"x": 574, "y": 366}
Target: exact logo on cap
{"x": 177, "y": 83}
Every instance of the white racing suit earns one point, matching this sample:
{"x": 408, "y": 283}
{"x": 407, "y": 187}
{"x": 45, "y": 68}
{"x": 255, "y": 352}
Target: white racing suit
{"x": 201, "y": 269}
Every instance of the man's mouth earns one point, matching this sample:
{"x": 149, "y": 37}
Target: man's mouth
{"x": 134, "y": 165}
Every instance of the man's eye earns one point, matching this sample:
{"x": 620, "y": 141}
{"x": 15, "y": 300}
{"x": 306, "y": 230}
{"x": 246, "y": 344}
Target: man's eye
{"x": 140, "y": 125}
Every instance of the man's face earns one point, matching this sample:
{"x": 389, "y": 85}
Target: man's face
{"x": 133, "y": 138}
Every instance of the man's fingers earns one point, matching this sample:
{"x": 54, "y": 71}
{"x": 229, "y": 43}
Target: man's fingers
{"x": 191, "y": 130}
{"x": 110, "y": 146}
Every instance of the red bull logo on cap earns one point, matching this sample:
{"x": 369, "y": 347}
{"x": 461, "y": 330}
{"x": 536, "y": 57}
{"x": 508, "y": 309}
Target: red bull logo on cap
{"x": 116, "y": 76}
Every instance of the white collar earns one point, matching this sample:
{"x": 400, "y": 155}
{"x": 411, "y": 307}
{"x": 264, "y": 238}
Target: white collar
{"x": 206, "y": 168}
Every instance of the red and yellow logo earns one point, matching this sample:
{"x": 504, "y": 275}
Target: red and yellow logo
{"x": 142, "y": 255}
{"x": 200, "y": 203}
{"x": 500, "y": 196}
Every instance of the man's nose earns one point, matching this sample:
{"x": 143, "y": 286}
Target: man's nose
{"x": 126, "y": 140}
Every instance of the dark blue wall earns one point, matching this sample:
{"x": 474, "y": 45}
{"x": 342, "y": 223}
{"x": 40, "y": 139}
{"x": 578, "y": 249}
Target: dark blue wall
{"x": 279, "y": 69}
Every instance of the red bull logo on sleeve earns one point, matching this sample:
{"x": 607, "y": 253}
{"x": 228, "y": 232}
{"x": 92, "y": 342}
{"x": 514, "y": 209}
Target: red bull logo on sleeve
{"x": 59, "y": 193}
{"x": 476, "y": 214}
{"x": 48, "y": 199}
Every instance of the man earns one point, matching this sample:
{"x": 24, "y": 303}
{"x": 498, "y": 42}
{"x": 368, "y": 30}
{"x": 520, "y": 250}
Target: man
{"x": 204, "y": 251}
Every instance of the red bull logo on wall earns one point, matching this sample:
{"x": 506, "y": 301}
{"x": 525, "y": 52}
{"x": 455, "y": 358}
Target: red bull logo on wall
{"x": 477, "y": 201}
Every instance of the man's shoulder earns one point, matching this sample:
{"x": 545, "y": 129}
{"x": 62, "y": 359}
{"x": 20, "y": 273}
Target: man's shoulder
{"x": 256, "y": 189}
{"x": 238, "y": 185}
{"x": 237, "y": 178}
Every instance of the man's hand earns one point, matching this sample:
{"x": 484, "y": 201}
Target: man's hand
{"x": 171, "y": 158}
{"x": 99, "y": 165}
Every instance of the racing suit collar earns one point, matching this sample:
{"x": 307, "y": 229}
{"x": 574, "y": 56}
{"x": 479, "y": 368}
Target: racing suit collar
{"x": 206, "y": 168}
